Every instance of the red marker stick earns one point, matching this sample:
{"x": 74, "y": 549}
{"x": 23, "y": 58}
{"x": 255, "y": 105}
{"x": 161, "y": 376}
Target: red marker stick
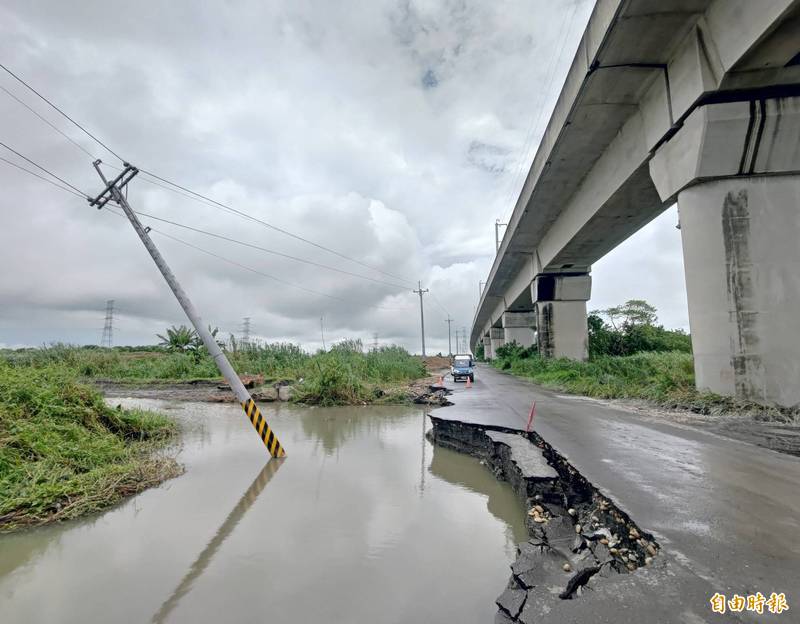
{"x": 530, "y": 417}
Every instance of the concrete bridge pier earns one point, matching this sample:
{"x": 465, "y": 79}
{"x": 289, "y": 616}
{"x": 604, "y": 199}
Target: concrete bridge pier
{"x": 560, "y": 309}
{"x": 519, "y": 327}
{"x": 487, "y": 347}
{"x": 737, "y": 183}
{"x": 496, "y": 339}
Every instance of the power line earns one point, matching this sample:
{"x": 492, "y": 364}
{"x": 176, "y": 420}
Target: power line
{"x": 41, "y": 177}
{"x": 439, "y": 303}
{"x": 233, "y": 262}
{"x": 79, "y": 194}
{"x": 75, "y": 123}
{"x": 49, "y": 123}
{"x": 194, "y": 193}
{"x": 257, "y": 272}
{"x": 269, "y": 251}
{"x": 199, "y": 196}
{"x": 38, "y": 166}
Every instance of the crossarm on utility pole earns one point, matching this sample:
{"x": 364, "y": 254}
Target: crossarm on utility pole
{"x": 114, "y": 191}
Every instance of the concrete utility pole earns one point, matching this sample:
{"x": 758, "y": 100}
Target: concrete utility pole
{"x": 497, "y": 225}
{"x": 322, "y": 331}
{"x": 113, "y": 192}
{"x": 421, "y": 292}
{"x": 449, "y": 343}
{"x": 466, "y": 340}
{"x": 108, "y": 328}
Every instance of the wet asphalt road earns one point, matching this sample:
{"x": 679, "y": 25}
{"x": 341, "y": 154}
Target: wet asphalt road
{"x": 726, "y": 513}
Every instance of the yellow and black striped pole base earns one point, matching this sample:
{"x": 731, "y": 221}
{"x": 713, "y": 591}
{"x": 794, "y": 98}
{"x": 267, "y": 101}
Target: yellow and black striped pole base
{"x": 266, "y": 434}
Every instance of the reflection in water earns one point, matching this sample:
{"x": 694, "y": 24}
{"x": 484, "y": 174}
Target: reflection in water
{"x": 333, "y": 426}
{"x": 225, "y": 529}
{"x": 467, "y": 472}
{"x": 422, "y": 467}
{"x": 352, "y": 530}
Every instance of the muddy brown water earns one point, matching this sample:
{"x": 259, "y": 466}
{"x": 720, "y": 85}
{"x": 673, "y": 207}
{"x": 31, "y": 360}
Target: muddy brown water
{"x": 364, "y": 521}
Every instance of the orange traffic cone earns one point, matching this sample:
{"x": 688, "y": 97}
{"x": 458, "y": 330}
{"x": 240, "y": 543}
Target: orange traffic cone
{"x": 469, "y": 382}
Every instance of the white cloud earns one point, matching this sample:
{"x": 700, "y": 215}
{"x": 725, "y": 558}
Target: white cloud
{"x": 389, "y": 131}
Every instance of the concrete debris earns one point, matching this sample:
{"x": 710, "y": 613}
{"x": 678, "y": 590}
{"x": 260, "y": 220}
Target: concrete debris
{"x": 572, "y": 525}
{"x": 511, "y": 601}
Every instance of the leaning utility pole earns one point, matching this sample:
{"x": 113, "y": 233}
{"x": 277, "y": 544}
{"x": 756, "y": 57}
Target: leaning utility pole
{"x": 449, "y": 343}
{"x": 113, "y": 192}
{"x": 421, "y": 292}
{"x": 108, "y": 328}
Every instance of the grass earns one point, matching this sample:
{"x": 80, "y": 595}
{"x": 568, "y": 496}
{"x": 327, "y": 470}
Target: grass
{"x": 344, "y": 374}
{"x": 64, "y": 452}
{"x": 663, "y": 378}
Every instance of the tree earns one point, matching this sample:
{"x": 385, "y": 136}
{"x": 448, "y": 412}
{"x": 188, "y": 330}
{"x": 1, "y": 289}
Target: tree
{"x": 179, "y": 338}
{"x": 632, "y": 329}
{"x": 633, "y": 312}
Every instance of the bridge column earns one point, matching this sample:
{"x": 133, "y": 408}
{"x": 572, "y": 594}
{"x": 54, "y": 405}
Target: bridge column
{"x": 497, "y": 339}
{"x": 740, "y": 237}
{"x": 487, "y": 347}
{"x": 518, "y": 326}
{"x": 560, "y": 308}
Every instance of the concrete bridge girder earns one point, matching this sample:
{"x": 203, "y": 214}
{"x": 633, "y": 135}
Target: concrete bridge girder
{"x": 624, "y": 134}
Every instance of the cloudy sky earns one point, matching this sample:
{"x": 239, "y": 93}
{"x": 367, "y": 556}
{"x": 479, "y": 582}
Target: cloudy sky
{"x": 393, "y": 132}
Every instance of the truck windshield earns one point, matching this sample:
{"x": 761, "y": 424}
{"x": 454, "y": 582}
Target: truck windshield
{"x": 461, "y": 363}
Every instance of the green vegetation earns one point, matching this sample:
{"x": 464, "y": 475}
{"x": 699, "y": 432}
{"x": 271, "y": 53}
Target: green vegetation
{"x": 666, "y": 378}
{"x": 345, "y": 374}
{"x": 630, "y": 357}
{"x": 632, "y": 328}
{"x": 64, "y": 453}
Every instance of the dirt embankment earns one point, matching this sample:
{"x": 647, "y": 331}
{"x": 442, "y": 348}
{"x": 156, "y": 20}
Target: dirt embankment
{"x": 426, "y": 390}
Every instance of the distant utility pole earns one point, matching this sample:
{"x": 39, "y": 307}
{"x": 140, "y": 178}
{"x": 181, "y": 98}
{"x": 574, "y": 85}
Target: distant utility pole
{"x": 375, "y": 341}
{"x": 322, "y": 331}
{"x": 246, "y": 330}
{"x": 421, "y": 292}
{"x": 497, "y": 225}
{"x": 466, "y": 340}
{"x": 108, "y": 328}
{"x": 449, "y": 343}
{"x": 113, "y": 192}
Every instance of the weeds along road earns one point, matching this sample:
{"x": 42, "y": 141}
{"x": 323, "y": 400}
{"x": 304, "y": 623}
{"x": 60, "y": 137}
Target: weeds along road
{"x": 726, "y": 513}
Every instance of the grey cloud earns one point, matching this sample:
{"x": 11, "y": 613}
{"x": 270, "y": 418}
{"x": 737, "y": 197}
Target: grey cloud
{"x": 312, "y": 116}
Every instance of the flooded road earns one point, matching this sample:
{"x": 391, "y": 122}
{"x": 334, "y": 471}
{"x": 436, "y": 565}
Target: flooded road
{"x": 364, "y": 521}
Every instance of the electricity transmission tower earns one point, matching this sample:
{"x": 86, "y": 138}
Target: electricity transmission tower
{"x": 421, "y": 292}
{"x": 108, "y": 328}
{"x": 449, "y": 343}
{"x": 375, "y": 341}
{"x": 246, "y": 331}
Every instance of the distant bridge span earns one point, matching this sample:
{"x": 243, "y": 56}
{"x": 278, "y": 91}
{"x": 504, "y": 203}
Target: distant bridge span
{"x": 694, "y": 101}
